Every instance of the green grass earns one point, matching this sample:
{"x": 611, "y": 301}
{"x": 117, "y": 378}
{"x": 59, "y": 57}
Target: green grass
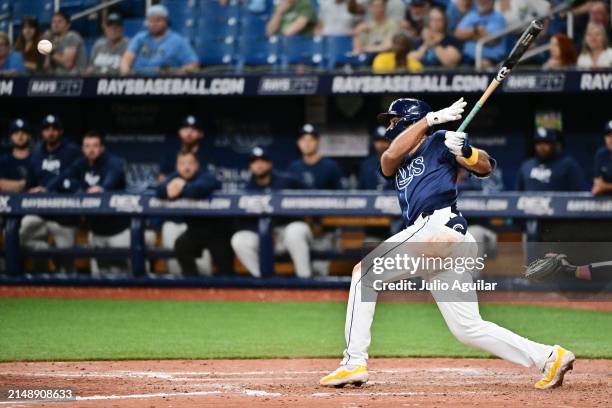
{"x": 47, "y": 329}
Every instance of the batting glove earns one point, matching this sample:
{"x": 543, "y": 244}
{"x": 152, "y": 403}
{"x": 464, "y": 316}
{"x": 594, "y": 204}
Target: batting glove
{"x": 455, "y": 142}
{"x": 449, "y": 114}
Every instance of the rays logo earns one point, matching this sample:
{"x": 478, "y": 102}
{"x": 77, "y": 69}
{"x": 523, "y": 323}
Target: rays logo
{"x": 404, "y": 175}
{"x": 502, "y": 74}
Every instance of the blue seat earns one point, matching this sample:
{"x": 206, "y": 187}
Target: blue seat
{"x": 5, "y": 7}
{"x": 41, "y": 9}
{"x": 213, "y": 27}
{"x": 257, "y": 51}
{"x": 212, "y": 8}
{"x": 132, "y": 8}
{"x": 299, "y": 49}
{"x": 253, "y": 26}
{"x": 217, "y": 51}
{"x": 337, "y": 50}
{"x": 131, "y": 26}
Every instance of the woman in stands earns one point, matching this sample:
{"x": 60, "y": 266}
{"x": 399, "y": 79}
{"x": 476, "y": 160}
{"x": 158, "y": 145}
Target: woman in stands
{"x": 437, "y": 47}
{"x": 596, "y": 52}
{"x": 26, "y": 44}
{"x": 563, "y": 54}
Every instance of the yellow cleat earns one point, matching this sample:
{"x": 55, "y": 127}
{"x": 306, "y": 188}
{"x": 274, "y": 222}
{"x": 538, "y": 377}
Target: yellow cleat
{"x": 559, "y": 362}
{"x": 343, "y": 375}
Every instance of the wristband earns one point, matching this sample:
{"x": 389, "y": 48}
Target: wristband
{"x": 473, "y": 158}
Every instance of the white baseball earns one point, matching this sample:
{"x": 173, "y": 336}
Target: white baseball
{"x": 45, "y": 47}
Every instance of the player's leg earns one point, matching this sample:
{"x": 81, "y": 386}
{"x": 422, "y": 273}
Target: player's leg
{"x": 33, "y": 232}
{"x": 296, "y": 237}
{"x": 170, "y": 232}
{"x": 246, "y": 246}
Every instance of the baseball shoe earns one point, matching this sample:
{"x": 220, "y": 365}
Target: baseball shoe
{"x": 346, "y": 374}
{"x": 558, "y": 363}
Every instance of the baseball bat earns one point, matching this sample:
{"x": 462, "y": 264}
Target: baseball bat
{"x": 513, "y": 58}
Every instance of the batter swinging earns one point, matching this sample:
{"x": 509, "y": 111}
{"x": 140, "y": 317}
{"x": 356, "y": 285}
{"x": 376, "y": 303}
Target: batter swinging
{"x": 424, "y": 165}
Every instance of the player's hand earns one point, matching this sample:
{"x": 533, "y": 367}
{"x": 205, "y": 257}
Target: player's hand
{"x": 455, "y": 141}
{"x": 449, "y": 114}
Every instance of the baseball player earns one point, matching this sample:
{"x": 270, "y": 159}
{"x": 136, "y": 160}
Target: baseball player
{"x": 369, "y": 177}
{"x": 602, "y": 182}
{"x": 15, "y": 168}
{"x": 424, "y": 165}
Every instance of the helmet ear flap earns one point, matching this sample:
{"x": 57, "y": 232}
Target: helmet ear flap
{"x": 398, "y": 128}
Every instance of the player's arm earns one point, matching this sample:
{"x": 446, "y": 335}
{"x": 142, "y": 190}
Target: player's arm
{"x": 483, "y": 164}
{"x": 126, "y": 62}
{"x": 474, "y": 160}
{"x": 12, "y": 186}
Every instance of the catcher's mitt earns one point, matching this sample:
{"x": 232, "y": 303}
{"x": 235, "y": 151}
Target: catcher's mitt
{"x": 550, "y": 267}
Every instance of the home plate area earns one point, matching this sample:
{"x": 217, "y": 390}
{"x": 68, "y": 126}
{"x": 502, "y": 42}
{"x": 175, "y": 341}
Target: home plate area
{"x": 278, "y": 382}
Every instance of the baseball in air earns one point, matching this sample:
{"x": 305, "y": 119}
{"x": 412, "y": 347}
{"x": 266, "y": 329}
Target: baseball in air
{"x": 45, "y": 47}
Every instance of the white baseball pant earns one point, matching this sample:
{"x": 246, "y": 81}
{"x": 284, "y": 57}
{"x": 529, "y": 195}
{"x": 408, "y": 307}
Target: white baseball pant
{"x": 294, "y": 238}
{"x": 34, "y": 232}
{"x": 170, "y": 232}
{"x": 462, "y": 317}
{"x": 119, "y": 240}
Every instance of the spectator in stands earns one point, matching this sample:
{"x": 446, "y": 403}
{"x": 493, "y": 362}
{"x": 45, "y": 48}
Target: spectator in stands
{"x": 190, "y": 181}
{"x": 370, "y": 177}
{"x": 190, "y": 134}
{"x": 294, "y": 237}
{"x": 253, "y": 6}
{"x": 437, "y": 47}
{"x": 107, "y": 51}
{"x": 27, "y": 43}
{"x": 480, "y": 23}
{"x": 314, "y": 171}
{"x": 68, "y": 55}
{"x": 396, "y": 9}
{"x": 158, "y": 48}
{"x": 549, "y": 170}
{"x": 292, "y": 17}
{"x": 335, "y": 18}
{"x": 600, "y": 13}
{"x": 522, "y": 11}
{"x": 11, "y": 62}
{"x": 50, "y": 162}
{"x": 376, "y": 34}
{"x": 456, "y": 10}
{"x": 99, "y": 171}
{"x": 562, "y": 53}
{"x": 596, "y": 52}
{"x": 398, "y": 58}
{"x": 414, "y": 19}
{"x": 602, "y": 182}
{"x": 15, "y": 168}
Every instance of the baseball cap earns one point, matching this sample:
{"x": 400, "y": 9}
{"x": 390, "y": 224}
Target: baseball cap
{"x": 158, "y": 10}
{"x": 546, "y": 135}
{"x": 114, "y": 19}
{"x": 608, "y": 127}
{"x": 259, "y": 153}
{"x": 52, "y": 120}
{"x": 19, "y": 124}
{"x": 379, "y": 133}
{"x": 191, "y": 121}
{"x": 309, "y": 129}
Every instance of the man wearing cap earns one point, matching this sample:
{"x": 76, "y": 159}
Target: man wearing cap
{"x": 15, "y": 168}
{"x": 602, "y": 182}
{"x": 158, "y": 48}
{"x": 369, "y": 176}
{"x": 294, "y": 237}
{"x": 68, "y": 55}
{"x": 549, "y": 170}
{"x": 50, "y": 162}
{"x": 315, "y": 172}
{"x": 108, "y": 50}
{"x": 190, "y": 134}
{"x": 191, "y": 181}
{"x": 414, "y": 20}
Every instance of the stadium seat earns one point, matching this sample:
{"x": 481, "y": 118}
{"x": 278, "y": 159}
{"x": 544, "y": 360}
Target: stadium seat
{"x": 337, "y": 50}
{"x": 257, "y": 51}
{"x": 131, "y": 26}
{"x": 42, "y": 9}
{"x": 5, "y": 7}
{"x": 217, "y": 27}
{"x": 212, "y": 8}
{"x": 253, "y": 26}
{"x": 216, "y": 51}
{"x": 301, "y": 50}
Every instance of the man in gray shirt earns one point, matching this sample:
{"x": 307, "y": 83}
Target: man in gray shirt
{"x": 106, "y": 54}
{"x": 68, "y": 55}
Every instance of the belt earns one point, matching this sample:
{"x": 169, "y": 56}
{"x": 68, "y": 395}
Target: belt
{"x": 427, "y": 213}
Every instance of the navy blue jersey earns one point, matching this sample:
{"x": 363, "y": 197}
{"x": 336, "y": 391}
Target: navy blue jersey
{"x": 427, "y": 179}
{"x": 370, "y": 178}
{"x": 49, "y": 169}
{"x": 560, "y": 173}
{"x": 323, "y": 175}
{"x": 15, "y": 169}
{"x": 106, "y": 172}
{"x": 199, "y": 186}
{"x": 279, "y": 181}
{"x": 603, "y": 164}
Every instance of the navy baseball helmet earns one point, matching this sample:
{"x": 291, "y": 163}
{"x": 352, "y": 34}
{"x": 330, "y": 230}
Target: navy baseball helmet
{"x": 52, "y": 121}
{"x": 379, "y": 133}
{"x": 259, "y": 153}
{"x": 411, "y": 109}
{"x": 191, "y": 121}
{"x": 546, "y": 135}
{"x": 19, "y": 125}
{"x": 608, "y": 128}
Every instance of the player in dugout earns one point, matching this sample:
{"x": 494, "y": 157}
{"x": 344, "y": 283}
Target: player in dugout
{"x": 15, "y": 166}
{"x": 191, "y": 181}
{"x": 602, "y": 182}
{"x": 293, "y": 237}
